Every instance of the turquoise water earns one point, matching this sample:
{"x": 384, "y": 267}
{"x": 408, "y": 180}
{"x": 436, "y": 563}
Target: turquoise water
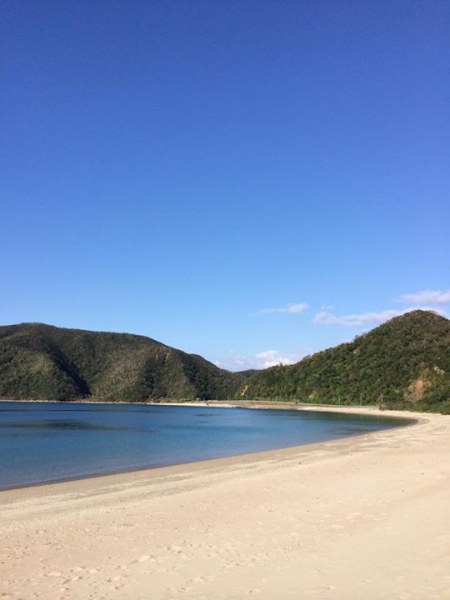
{"x": 45, "y": 442}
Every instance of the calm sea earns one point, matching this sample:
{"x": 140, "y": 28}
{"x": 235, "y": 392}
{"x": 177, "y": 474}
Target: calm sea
{"x": 44, "y": 442}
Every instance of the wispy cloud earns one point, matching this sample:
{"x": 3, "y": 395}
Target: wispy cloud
{"x": 325, "y": 317}
{"x": 370, "y": 318}
{"x": 261, "y": 360}
{"x": 291, "y": 309}
{"x": 427, "y": 297}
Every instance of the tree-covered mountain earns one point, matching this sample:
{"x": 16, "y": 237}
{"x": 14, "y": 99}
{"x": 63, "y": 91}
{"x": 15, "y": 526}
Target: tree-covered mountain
{"x": 43, "y": 362}
{"x": 403, "y": 364}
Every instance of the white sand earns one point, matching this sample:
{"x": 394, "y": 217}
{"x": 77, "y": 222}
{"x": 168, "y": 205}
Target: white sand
{"x": 362, "y": 518}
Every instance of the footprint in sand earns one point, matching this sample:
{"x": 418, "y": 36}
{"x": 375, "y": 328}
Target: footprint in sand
{"x": 202, "y": 579}
{"x": 180, "y": 590}
{"x": 144, "y": 558}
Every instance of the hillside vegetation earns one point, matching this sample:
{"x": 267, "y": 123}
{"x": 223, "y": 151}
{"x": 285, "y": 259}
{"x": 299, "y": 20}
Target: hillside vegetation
{"x": 403, "y": 364}
{"x": 42, "y": 362}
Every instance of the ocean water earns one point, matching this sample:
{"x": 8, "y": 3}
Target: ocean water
{"x": 45, "y": 442}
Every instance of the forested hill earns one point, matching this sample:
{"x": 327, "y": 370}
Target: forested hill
{"x": 43, "y": 362}
{"x": 404, "y": 363}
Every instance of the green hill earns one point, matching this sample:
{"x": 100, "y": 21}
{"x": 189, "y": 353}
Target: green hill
{"x": 42, "y": 362}
{"x": 402, "y": 364}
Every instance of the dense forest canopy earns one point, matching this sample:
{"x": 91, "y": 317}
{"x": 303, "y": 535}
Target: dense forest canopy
{"x": 403, "y": 364}
{"x": 43, "y": 362}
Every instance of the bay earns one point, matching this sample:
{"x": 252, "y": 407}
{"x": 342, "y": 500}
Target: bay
{"x": 46, "y": 442}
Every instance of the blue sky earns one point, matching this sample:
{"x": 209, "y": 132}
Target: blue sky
{"x": 251, "y": 181}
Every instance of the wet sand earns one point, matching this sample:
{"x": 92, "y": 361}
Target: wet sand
{"x": 363, "y": 518}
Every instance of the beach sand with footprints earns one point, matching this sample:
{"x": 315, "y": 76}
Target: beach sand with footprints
{"x": 364, "y": 518}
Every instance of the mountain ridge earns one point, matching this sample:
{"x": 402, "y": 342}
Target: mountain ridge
{"x": 39, "y": 361}
{"x": 402, "y": 364}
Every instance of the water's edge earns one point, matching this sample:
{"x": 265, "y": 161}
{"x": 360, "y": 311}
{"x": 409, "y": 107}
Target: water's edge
{"x": 399, "y": 419}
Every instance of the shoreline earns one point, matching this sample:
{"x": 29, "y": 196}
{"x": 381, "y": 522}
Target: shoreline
{"x": 232, "y": 460}
{"x": 254, "y": 405}
{"x": 263, "y": 404}
{"x": 360, "y": 517}
{"x": 251, "y": 404}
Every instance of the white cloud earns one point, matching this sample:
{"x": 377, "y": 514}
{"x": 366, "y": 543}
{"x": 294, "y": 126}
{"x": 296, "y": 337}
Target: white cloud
{"x": 327, "y": 318}
{"x": 292, "y": 309}
{"x": 370, "y": 318}
{"x": 270, "y": 358}
{"x": 261, "y": 360}
{"x": 427, "y": 297}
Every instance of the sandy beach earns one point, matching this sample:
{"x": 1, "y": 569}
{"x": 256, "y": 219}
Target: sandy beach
{"x": 362, "y": 518}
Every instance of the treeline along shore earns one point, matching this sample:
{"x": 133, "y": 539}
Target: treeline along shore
{"x": 402, "y": 364}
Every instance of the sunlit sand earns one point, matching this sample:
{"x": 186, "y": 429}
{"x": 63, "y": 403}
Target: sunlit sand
{"x": 359, "y": 518}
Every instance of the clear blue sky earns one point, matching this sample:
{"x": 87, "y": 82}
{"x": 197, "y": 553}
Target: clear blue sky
{"x": 251, "y": 180}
